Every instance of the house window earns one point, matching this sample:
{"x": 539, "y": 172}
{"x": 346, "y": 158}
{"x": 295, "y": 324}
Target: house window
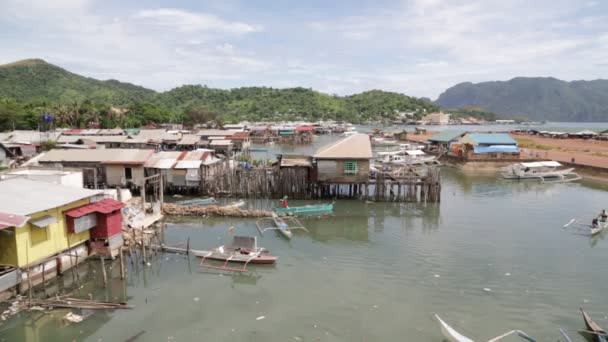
{"x": 38, "y": 235}
{"x": 350, "y": 167}
{"x": 128, "y": 173}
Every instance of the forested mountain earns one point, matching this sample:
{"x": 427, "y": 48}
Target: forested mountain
{"x": 31, "y": 87}
{"x": 535, "y": 98}
{"x": 34, "y": 79}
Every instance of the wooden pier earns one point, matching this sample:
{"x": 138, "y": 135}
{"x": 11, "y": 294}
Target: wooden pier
{"x": 299, "y": 183}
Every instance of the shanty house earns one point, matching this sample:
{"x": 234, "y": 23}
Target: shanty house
{"x": 488, "y": 146}
{"x": 442, "y": 141}
{"x": 345, "y": 161}
{"x": 45, "y": 233}
{"x": 5, "y": 156}
{"x": 112, "y": 167}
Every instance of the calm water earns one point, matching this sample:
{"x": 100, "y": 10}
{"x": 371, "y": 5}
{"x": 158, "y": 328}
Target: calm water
{"x": 371, "y": 272}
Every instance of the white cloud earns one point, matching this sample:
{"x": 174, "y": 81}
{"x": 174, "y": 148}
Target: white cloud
{"x": 186, "y": 21}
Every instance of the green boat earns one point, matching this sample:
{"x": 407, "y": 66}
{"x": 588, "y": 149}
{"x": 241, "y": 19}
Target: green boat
{"x": 321, "y": 209}
{"x": 198, "y": 201}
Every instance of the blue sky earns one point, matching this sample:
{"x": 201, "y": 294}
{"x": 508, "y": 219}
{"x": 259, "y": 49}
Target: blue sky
{"x": 416, "y": 47}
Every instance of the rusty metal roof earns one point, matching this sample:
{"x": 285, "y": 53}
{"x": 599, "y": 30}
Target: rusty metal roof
{"x": 105, "y": 206}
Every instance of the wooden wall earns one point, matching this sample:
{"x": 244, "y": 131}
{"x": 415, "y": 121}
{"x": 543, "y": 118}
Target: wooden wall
{"x": 333, "y": 171}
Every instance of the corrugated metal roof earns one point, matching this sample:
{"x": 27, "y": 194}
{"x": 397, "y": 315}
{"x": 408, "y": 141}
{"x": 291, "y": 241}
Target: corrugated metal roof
{"x": 357, "y": 146}
{"x": 220, "y": 143}
{"x": 106, "y": 156}
{"x": 104, "y": 206}
{"x": 44, "y": 221}
{"x": 447, "y": 136}
{"x": 12, "y": 220}
{"x": 293, "y": 161}
{"x": 492, "y": 138}
{"x": 216, "y": 132}
{"x": 21, "y": 196}
{"x": 95, "y": 138}
{"x": 189, "y": 139}
{"x": 188, "y": 164}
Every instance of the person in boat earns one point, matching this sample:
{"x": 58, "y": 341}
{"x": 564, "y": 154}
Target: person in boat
{"x": 603, "y": 216}
{"x": 284, "y": 203}
{"x": 594, "y": 223}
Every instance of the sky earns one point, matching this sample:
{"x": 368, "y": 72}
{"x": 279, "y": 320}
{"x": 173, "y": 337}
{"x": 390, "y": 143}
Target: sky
{"x": 415, "y": 47}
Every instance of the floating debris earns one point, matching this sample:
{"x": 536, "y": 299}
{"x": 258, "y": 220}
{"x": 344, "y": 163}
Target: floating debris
{"x": 260, "y": 318}
{"x": 487, "y": 289}
{"x": 74, "y": 318}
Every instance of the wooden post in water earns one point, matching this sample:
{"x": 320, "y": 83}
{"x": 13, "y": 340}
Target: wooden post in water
{"x": 103, "y": 272}
{"x": 188, "y": 246}
{"x": 122, "y": 264}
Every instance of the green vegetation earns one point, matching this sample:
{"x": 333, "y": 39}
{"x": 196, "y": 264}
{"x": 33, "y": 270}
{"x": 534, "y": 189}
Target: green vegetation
{"x": 475, "y": 112}
{"x": 531, "y": 144}
{"x": 536, "y": 98}
{"x": 30, "y": 88}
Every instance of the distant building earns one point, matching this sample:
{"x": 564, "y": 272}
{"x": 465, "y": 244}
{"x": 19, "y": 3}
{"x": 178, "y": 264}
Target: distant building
{"x": 436, "y": 118}
{"x": 487, "y": 146}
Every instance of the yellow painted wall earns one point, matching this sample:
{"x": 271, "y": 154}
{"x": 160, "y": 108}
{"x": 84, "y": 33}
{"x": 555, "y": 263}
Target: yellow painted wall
{"x": 30, "y": 250}
{"x": 8, "y": 248}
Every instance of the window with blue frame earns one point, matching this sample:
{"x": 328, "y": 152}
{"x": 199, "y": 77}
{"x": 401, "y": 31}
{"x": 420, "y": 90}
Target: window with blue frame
{"x": 350, "y": 167}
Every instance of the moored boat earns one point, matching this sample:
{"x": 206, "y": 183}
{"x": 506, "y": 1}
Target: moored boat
{"x": 320, "y": 209}
{"x": 242, "y": 249}
{"x": 541, "y": 170}
{"x": 454, "y": 336}
{"x": 198, "y": 201}
{"x": 600, "y": 334}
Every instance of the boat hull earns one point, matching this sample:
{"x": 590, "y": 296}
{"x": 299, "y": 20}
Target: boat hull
{"x": 236, "y": 257}
{"x": 325, "y": 209}
{"x": 592, "y": 326}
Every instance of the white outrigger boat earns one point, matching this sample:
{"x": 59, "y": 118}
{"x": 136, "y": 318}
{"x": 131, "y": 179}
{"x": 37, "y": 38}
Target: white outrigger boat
{"x": 454, "y": 336}
{"x": 540, "y": 170}
{"x": 281, "y": 225}
{"x": 409, "y": 157}
{"x": 600, "y": 227}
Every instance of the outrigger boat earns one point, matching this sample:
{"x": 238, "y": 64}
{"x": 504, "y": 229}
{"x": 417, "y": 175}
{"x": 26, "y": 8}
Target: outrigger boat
{"x": 280, "y": 225}
{"x": 198, "y": 201}
{"x": 454, "y": 336}
{"x": 592, "y": 327}
{"x": 242, "y": 249}
{"x": 540, "y": 170}
{"x": 321, "y": 209}
{"x": 234, "y": 205}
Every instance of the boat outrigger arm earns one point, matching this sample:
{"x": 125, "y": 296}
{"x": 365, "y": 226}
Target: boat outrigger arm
{"x": 455, "y": 336}
{"x": 225, "y": 266}
{"x": 287, "y": 219}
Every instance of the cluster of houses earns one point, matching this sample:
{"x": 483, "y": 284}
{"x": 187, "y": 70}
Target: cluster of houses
{"x": 467, "y": 145}
{"x": 565, "y": 133}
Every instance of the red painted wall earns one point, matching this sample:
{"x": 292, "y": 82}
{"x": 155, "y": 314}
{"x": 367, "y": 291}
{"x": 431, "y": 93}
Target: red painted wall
{"x": 107, "y": 225}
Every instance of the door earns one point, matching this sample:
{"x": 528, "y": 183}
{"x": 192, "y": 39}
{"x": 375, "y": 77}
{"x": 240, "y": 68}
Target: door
{"x": 128, "y": 173}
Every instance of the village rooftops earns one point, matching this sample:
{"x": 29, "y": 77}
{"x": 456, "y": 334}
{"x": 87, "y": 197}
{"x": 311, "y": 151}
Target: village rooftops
{"x": 490, "y": 139}
{"x": 104, "y": 156}
{"x": 216, "y": 132}
{"x": 357, "y": 146}
{"x": 447, "y": 136}
{"x": 20, "y": 196}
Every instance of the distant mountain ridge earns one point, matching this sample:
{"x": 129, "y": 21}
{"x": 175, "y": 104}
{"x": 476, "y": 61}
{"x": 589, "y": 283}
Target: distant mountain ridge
{"x": 537, "y": 98}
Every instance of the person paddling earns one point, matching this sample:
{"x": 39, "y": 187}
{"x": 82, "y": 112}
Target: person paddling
{"x": 284, "y": 203}
{"x": 604, "y": 216}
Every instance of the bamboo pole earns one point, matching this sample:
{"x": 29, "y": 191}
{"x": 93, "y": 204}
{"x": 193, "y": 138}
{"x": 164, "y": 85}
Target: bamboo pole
{"x": 103, "y": 272}
{"x": 122, "y": 263}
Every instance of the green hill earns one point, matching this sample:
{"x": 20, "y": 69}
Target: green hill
{"x": 31, "y": 87}
{"x": 35, "y": 79}
{"x": 535, "y": 98}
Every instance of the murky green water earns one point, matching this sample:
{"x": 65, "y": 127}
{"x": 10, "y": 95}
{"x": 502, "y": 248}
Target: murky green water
{"x": 371, "y": 272}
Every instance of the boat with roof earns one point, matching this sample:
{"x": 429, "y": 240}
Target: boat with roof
{"x": 545, "y": 171}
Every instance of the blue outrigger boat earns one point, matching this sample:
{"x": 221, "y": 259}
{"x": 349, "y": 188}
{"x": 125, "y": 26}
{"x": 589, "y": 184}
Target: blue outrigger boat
{"x": 198, "y": 201}
{"x": 321, "y": 209}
